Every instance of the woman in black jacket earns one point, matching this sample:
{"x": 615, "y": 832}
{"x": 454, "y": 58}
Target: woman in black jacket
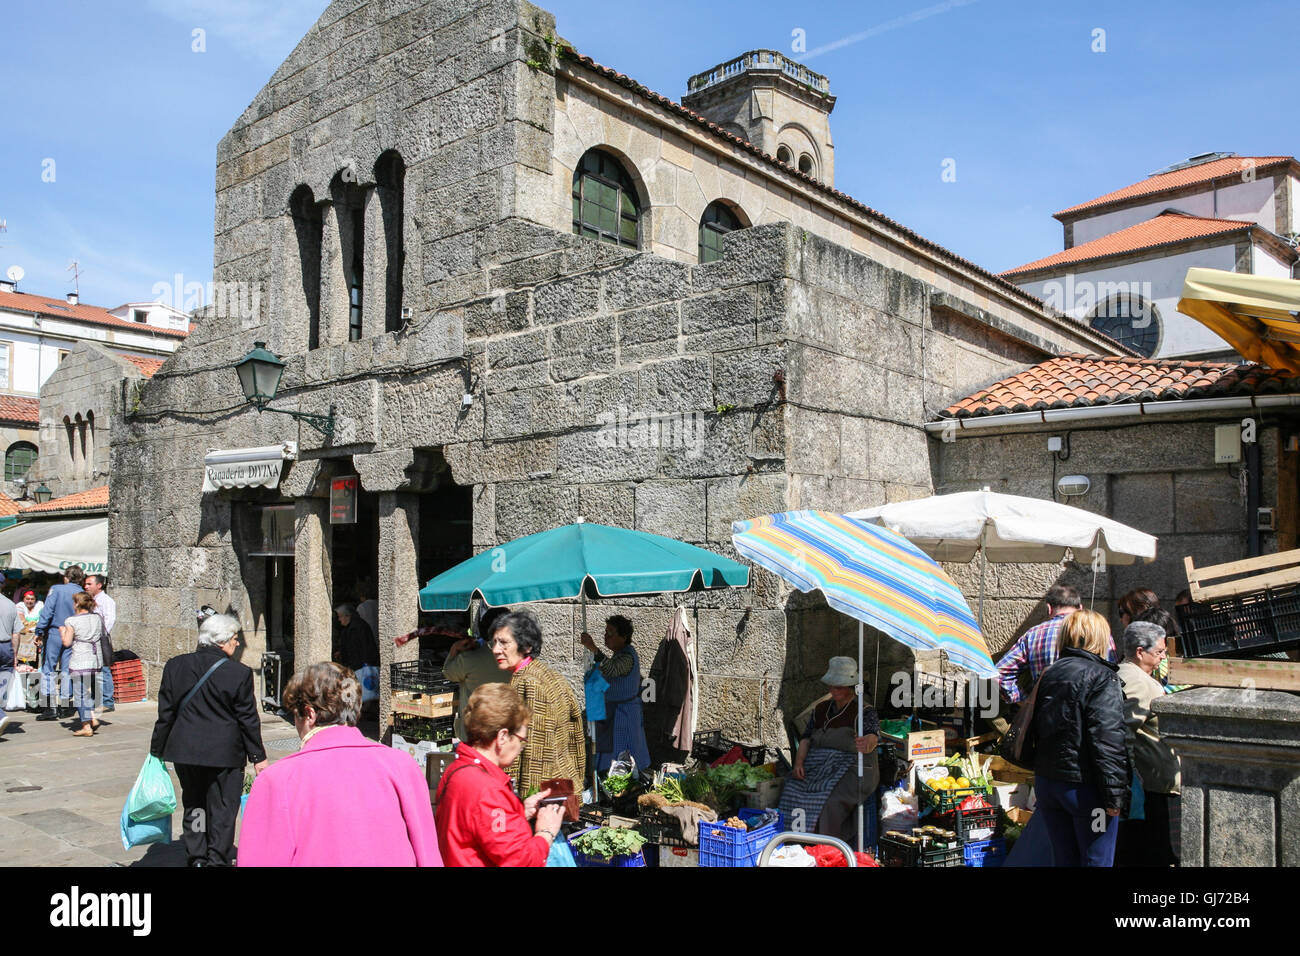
{"x": 1082, "y": 763}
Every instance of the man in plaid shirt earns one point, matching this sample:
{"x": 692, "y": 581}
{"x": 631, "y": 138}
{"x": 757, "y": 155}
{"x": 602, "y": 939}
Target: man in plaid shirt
{"x": 1037, "y": 647}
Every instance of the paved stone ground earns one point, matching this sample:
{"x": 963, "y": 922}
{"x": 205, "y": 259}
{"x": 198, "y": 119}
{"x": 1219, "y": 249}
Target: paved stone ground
{"x": 71, "y": 816}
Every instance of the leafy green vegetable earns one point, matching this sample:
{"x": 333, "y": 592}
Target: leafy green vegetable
{"x": 609, "y": 842}
{"x": 731, "y": 779}
{"x": 696, "y": 786}
{"x": 248, "y": 784}
{"x": 671, "y": 789}
{"x": 616, "y": 784}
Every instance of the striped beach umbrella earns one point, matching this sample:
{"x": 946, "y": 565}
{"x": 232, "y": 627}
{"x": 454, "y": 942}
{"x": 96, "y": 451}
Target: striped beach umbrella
{"x": 871, "y": 574}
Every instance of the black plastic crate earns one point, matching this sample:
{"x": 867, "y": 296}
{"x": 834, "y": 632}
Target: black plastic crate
{"x": 708, "y": 745}
{"x": 1243, "y": 626}
{"x": 662, "y": 828}
{"x": 439, "y": 730}
{"x": 422, "y": 676}
{"x": 893, "y": 851}
{"x": 964, "y": 822}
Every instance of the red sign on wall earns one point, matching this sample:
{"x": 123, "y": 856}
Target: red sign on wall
{"x": 343, "y": 499}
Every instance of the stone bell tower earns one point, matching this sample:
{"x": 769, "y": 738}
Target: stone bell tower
{"x": 779, "y": 105}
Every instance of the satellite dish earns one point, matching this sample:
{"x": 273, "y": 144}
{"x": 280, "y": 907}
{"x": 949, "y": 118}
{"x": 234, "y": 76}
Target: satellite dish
{"x": 15, "y": 273}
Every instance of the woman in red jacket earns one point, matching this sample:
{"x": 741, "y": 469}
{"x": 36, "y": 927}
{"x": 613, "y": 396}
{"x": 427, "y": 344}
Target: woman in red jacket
{"x": 480, "y": 819}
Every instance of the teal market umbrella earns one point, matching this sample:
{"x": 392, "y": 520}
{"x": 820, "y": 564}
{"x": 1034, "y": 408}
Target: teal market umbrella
{"x": 580, "y": 560}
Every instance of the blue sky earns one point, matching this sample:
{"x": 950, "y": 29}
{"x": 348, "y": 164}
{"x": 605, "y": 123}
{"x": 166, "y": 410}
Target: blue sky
{"x": 113, "y": 93}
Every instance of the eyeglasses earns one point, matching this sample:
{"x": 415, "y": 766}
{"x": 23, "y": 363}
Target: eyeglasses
{"x": 522, "y": 738}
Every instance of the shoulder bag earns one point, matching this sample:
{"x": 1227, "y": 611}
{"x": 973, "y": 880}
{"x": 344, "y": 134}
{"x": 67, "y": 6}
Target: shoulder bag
{"x": 1017, "y": 744}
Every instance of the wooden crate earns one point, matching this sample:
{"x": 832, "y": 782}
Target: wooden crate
{"x": 1246, "y": 674}
{"x": 1261, "y": 573}
{"x": 419, "y": 704}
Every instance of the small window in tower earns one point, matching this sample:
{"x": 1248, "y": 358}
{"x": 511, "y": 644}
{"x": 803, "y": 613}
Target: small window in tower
{"x": 806, "y": 164}
{"x": 783, "y": 155}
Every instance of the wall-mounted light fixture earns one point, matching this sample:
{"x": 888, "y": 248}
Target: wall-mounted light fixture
{"x": 42, "y": 494}
{"x": 259, "y": 376}
{"x": 1073, "y": 485}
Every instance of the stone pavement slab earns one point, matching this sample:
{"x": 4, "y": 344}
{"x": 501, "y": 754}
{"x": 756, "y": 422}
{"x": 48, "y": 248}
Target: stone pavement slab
{"x": 61, "y": 796}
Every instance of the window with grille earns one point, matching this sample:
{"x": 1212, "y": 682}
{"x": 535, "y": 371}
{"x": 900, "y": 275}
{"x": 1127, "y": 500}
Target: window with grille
{"x": 717, "y": 221}
{"x": 19, "y": 460}
{"x": 604, "y": 201}
{"x": 1130, "y": 320}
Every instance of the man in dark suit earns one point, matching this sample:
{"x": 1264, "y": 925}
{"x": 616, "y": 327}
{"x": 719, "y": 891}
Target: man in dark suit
{"x": 209, "y": 737}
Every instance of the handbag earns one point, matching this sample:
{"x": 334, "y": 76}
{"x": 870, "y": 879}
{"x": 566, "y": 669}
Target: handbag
{"x": 1017, "y": 744}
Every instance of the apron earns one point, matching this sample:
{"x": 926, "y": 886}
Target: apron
{"x": 622, "y": 728}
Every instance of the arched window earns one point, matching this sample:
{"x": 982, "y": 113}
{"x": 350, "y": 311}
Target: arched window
{"x": 71, "y": 429}
{"x": 19, "y": 460}
{"x": 390, "y": 184}
{"x": 783, "y": 155}
{"x": 1130, "y": 320}
{"x": 718, "y": 219}
{"x": 308, "y": 225}
{"x": 806, "y": 164}
{"x": 90, "y": 441}
{"x": 604, "y": 200}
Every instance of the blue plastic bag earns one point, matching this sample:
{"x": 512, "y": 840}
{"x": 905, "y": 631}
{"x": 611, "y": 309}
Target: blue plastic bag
{"x": 369, "y": 679}
{"x": 560, "y": 854}
{"x": 152, "y": 796}
{"x": 594, "y": 687}
{"x": 158, "y": 830}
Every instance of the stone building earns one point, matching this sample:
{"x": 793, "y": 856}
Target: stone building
{"x": 493, "y": 261}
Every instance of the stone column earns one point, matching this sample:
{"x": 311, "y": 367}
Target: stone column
{"x": 313, "y": 612}
{"x": 334, "y": 303}
{"x": 1240, "y": 755}
{"x": 375, "y": 295}
{"x": 399, "y": 582}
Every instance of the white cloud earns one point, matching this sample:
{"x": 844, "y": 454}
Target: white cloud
{"x": 266, "y": 30}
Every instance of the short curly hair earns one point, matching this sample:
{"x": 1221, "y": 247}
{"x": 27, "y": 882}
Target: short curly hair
{"x": 492, "y": 708}
{"x": 524, "y": 629}
{"x": 330, "y": 689}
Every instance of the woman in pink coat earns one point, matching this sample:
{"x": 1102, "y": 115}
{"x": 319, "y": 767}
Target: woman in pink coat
{"x": 341, "y": 800}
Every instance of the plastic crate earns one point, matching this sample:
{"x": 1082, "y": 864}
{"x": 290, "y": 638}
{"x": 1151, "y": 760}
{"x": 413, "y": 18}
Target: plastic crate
{"x": 721, "y": 845}
{"x": 896, "y": 852}
{"x": 439, "y": 730}
{"x": 627, "y": 860}
{"x": 662, "y": 829}
{"x": 709, "y": 745}
{"x": 422, "y": 676}
{"x": 963, "y": 822}
{"x": 1245, "y": 625}
{"x": 946, "y": 801}
{"x": 985, "y": 852}
{"x": 129, "y": 684}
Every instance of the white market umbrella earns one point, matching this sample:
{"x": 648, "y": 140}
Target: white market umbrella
{"x": 51, "y": 546}
{"x": 1010, "y": 529}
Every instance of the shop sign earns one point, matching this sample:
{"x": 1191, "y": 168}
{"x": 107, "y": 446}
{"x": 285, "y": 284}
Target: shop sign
{"x": 247, "y": 467}
{"x": 343, "y": 499}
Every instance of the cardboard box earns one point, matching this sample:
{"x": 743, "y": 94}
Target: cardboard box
{"x": 925, "y": 747}
{"x": 1012, "y": 796}
{"x": 767, "y": 796}
{"x": 420, "y": 704}
{"x": 418, "y": 750}
{"x": 1019, "y": 816}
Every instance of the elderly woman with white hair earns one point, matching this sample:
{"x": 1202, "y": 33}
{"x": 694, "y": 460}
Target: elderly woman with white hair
{"x": 208, "y": 727}
{"x": 1155, "y": 762}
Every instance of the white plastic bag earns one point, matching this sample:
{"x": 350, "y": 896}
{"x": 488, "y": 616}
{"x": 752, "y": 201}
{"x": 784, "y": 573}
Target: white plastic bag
{"x": 898, "y": 810}
{"x": 15, "y": 697}
{"x": 791, "y": 855}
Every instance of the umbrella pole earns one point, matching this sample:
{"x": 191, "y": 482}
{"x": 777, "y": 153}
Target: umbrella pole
{"x": 983, "y": 567}
{"x": 591, "y": 726}
{"x": 859, "y": 690}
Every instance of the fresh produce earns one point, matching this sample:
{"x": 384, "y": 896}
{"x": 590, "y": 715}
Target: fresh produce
{"x": 671, "y": 789}
{"x": 732, "y": 779}
{"x": 616, "y": 784}
{"x": 736, "y": 822}
{"x": 608, "y": 842}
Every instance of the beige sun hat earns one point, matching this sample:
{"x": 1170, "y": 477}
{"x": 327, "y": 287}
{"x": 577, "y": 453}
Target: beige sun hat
{"x": 842, "y": 672}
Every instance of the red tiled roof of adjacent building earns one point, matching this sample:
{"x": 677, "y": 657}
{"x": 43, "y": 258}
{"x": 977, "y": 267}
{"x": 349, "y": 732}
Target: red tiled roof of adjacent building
{"x": 147, "y": 366}
{"x": 96, "y": 499}
{"x": 7, "y": 506}
{"x": 25, "y": 411}
{"x": 1082, "y": 381}
{"x": 1166, "y": 229}
{"x": 1178, "y": 178}
{"x": 675, "y": 107}
{"x": 96, "y": 315}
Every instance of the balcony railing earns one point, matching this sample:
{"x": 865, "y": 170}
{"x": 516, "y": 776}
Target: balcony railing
{"x": 764, "y": 60}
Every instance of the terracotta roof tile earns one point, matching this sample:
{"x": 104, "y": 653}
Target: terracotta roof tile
{"x": 675, "y": 107}
{"x": 1165, "y": 229}
{"x": 7, "y": 506}
{"x": 1178, "y": 178}
{"x": 94, "y": 314}
{"x": 96, "y": 499}
{"x": 15, "y": 408}
{"x": 1081, "y": 381}
{"x": 147, "y": 366}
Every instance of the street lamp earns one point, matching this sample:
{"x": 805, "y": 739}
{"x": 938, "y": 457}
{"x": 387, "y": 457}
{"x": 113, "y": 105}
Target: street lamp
{"x": 42, "y": 494}
{"x": 259, "y": 376}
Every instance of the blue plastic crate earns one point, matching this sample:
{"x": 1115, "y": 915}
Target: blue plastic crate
{"x": 634, "y": 859}
{"x": 732, "y": 846}
{"x": 986, "y": 852}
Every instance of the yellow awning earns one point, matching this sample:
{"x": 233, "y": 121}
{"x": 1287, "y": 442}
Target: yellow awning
{"x": 1257, "y": 315}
